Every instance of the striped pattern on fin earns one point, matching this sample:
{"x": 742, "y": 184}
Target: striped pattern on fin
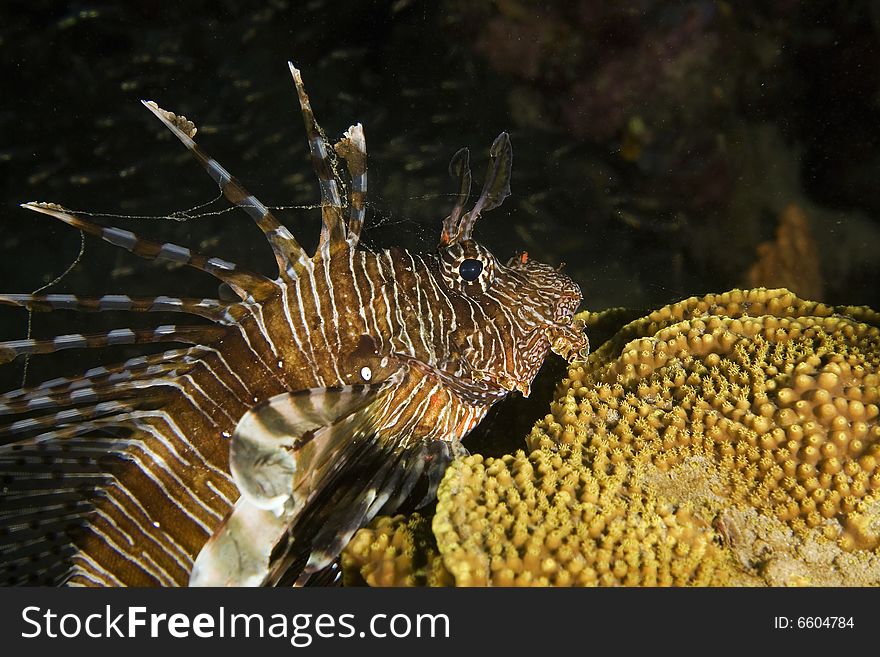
{"x": 82, "y": 416}
{"x": 62, "y": 408}
{"x": 48, "y": 488}
{"x": 136, "y": 368}
{"x": 211, "y": 309}
{"x": 279, "y": 445}
{"x": 239, "y": 552}
{"x": 353, "y": 149}
{"x": 282, "y": 454}
{"x": 378, "y": 478}
{"x": 332, "y": 226}
{"x": 285, "y": 247}
{"x": 11, "y": 349}
{"x": 245, "y": 283}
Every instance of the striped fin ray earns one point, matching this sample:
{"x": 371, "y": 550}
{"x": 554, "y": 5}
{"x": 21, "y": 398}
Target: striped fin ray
{"x": 245, "y": 283}
{"x": 394, "y": 473}
{"x": 50, "y": 487}
{"x": 98, "y": 391}
{"x": 101, "y": 402}
{"x": 285, "y": 247}
{"x": 63, "y": 434}
{"x": 133, "y": 368}
{"x": 379, "y": 478}
{"x": 284, "y": 453}
{"x": 332, "y": 226}
{"x": 77, "y": 415}
{"x": 11, "y": 349}
{"x": 293, "y": 434}
{"x": 353, "y": 149}
{"x": 211, "y": 309}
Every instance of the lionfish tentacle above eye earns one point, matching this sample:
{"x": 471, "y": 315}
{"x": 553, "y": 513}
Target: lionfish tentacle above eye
{"x": 245, "y": 283}
{"x": 496, "y": 187}
{"x": 287, "y": 250}
{"x": 332, "y": 226}
{"x": 460, "y": 168}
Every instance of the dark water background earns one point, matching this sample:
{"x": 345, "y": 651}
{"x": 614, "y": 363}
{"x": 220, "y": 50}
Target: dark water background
{"x": 657, "y": 145}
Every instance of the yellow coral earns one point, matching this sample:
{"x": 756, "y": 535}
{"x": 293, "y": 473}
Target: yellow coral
{"x": 728, "y": 439}
{"x": 394, "y": 551}
{"x": 785, "y": 403}
{"x": 555, "y": 519}
{"x": 775, "y": 398}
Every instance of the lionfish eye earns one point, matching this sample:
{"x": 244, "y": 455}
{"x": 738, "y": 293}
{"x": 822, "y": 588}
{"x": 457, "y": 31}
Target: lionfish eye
{"x": 470, "y": 269}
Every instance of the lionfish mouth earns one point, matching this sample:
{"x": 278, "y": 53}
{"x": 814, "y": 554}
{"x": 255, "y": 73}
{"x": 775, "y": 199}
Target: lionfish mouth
{"x": 522, "y": 385}
{"x": 568, "y": 339}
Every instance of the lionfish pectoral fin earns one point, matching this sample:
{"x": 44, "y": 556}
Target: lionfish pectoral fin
{"x": 282, "y": 453}
{"x": 387, "y": 475}
{"x": 381, "y": 475}
{"x": 239, "y": 552}
{"x": 277, "y": 445}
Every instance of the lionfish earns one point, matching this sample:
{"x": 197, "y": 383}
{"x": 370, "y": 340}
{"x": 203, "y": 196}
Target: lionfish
{"x": 306, "y": 406}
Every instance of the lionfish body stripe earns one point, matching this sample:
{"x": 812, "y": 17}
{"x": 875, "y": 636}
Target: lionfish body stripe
{"x": 312, "y": 402}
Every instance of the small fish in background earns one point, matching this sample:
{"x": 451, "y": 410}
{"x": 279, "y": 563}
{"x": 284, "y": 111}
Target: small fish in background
{"x": 307, "y": 405}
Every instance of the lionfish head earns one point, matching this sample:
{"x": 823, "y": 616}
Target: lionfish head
{"x": 531, "y": 304}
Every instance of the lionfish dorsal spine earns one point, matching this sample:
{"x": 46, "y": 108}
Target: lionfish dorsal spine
{"x": 333, "y": 230}
{"x": 284, "y": 245}
{"x": 246, "y": 284}
{"x": 317, "y": 144}
{"x": 353, "y": 149}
